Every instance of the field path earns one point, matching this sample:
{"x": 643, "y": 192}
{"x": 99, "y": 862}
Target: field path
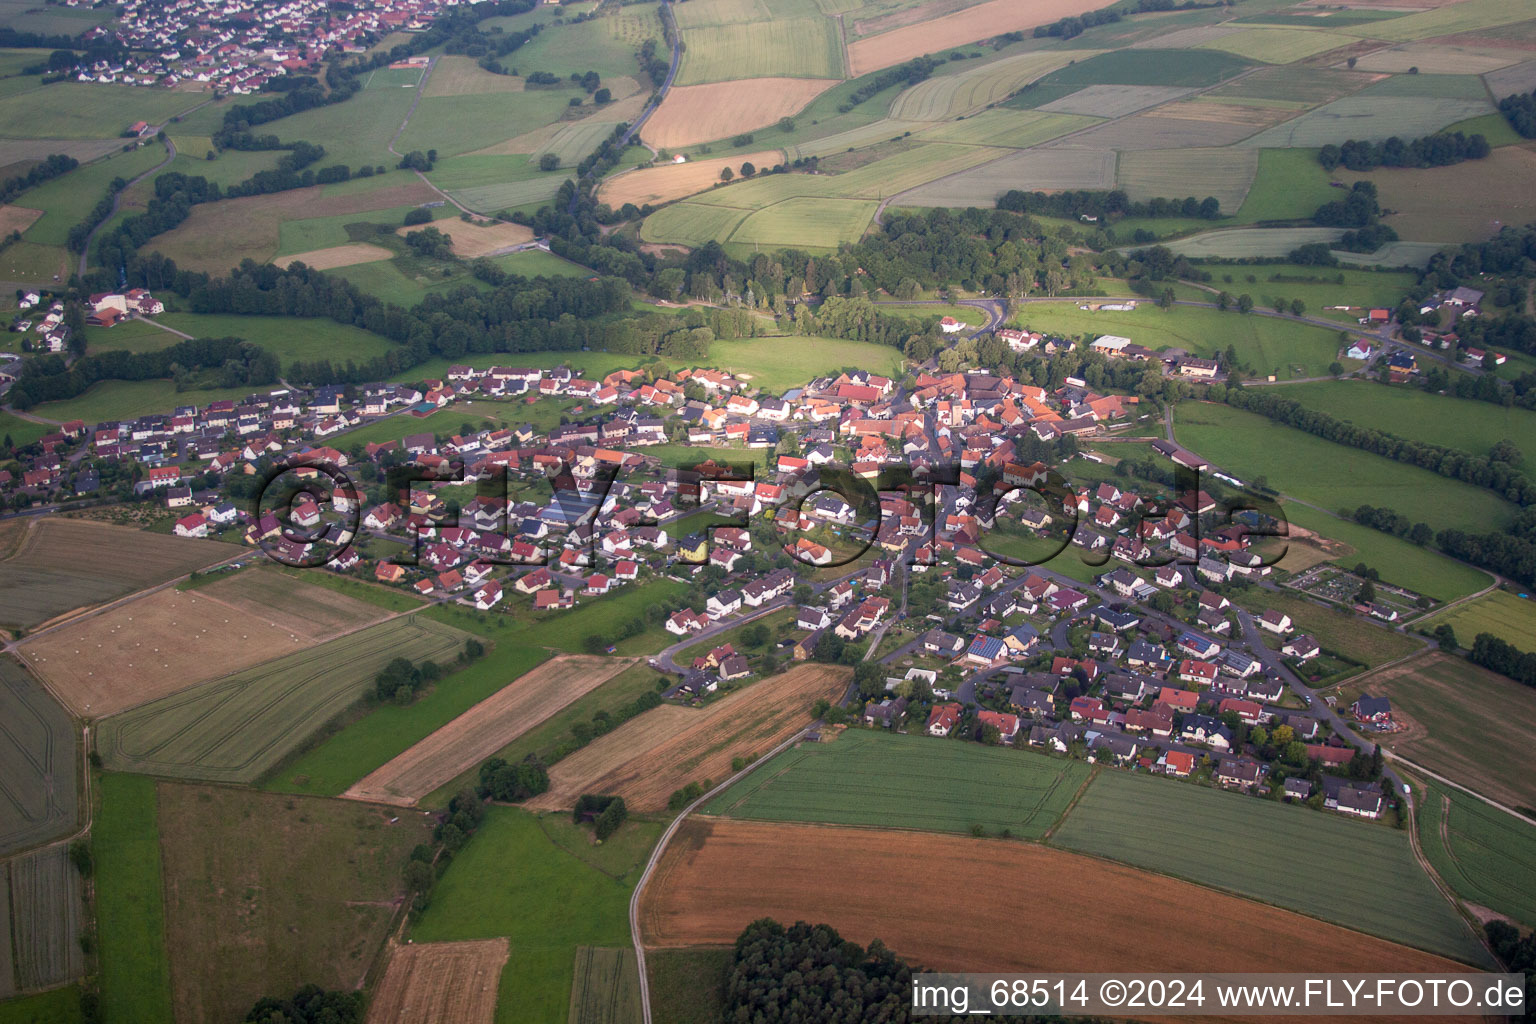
{"x": 421, "y": 86}
{"x": 170, "y": 154}
{"x": 661, "y": 848}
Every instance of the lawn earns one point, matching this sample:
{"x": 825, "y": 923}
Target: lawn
{"x": 1270, "y": 345}
{"x": 20, "y": 431}
{"x": 778, "y": 364}
{"x": 1255, "y": 848}
{"x": 1488, "y": 857}
{"x": 85, "y": 110}
{"x": 389, "y": 729}
{"x": 1338, "y": 631}
{"x": 1290, "y": 185}
{"x": 603, "y": 44}
{"x": 358, "y": 131}
{"x": 56, "y": 1006}
{"x": 393, "y": 428}
{"x": 462, "y": 124}
{"x": 865, "y": 778}
{"x": 129, "y": 336}
{"x": 1332, "y": 476}
{"x": 569, "y": 629}
{"x": 970, "y": 315}
{"x": 533, "y": 906}
{"x": 287, "y": 337}
{"x": 135, "y": 970}
{"x": 1318, "y": 287}
{"x": 1185, "y": 68}
{"x": 1445, "y": 420}
{"x": 1421, "y": 570}
{"x": 533, "y": 263}
{"x": 1464, "y": 722}
{"x": 1501, "y": 613}
{"x": 407, "y": 282}
{"x": 128, "y": 399}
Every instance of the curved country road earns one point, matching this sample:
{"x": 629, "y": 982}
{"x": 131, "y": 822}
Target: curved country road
{"x": 170, "y": 154}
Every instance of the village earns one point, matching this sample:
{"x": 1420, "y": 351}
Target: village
{"x": 879, "y": 534}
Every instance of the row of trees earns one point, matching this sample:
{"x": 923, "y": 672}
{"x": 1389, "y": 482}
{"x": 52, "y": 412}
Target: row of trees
{"x": 1504, "y": 658}
{"x": 1439, "y": 150}
{"x": 47, "y": 378}
{"x": 47, "y": 169}
{"x": 1482, "y": 471}
{"x": 1105, "y": 205}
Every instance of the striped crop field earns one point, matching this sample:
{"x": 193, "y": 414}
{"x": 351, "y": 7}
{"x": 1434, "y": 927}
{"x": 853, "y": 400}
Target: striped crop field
{"x": 238, "y": 728}
{"x": 866, "y": 778}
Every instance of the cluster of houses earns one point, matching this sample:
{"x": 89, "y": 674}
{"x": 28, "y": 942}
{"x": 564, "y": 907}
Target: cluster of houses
{"x": 236, "y": 46}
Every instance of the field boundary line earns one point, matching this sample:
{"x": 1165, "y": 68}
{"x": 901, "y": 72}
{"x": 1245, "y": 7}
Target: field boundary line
{"x": 1093, "y": 773}
{"x": 1436, "y": 777}
{"x": 661, "y": 848}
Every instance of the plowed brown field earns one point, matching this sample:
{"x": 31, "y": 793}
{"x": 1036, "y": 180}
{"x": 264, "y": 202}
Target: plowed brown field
{"x": 337, "y": 256}
{"x": 648, "y": 758}
{"x": 667, "y": 182}
{"x": 432, "y": 982}
{"x": 702, "y": 113}
{"x": 980, "y": 22}
{"x": 988, "y": 905}
{"x": 486, "y": 728}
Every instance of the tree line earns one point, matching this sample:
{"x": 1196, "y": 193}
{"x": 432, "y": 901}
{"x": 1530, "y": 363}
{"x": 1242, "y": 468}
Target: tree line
{"x": 46, "y": 169}
{"x": 47, "y": 378}
{"x": 309, "y": 1005}
{"x": 1520, "y": 111}
{"x": 1504, "y": 658}
{"x": 1438, "y": 150}
{"x": 1480, "y": 471}
{"x": 1116, "y": 203}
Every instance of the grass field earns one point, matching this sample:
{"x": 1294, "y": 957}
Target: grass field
{"x": 945, "y": 97}
{"x": 532, "y": 263}
{"x": 65, "y": 564}
{"x": 463, "y": 124}
{"x": 1330, "y": 475}
{"x": 129, "y": 399}
{"x": 56, "y": 1006}
{"x": 1408, "y": 412}
{"x": 1464, "y": 722}
{"x": 788, "y": 47}
{"x": 864, "y": 778}
{"x": 238, "y": 728}
{"x": 1226, "y": 174}
{"x": 135, "y": 968}
{"x": 1277, "y": 45}
{"x": 606, "y": 989}
{"x": 267, "y": 893}
{"x": 287, "y": 337}
{"x": 1489, "y": 190}
{"x": 568, "y": 630}
{"x": 1285, "y": 348}
{"x": 85, "y": 110}
{"x": 1336, "y": 630}
{"x": 537, "y": 981}
{"x": 1488, "y": 857}
{"x": 1500, "y": 613}
{"x": 806, "y": 223}
{"x": 1463, "y": 17}
{"x": 46, "y": 919}
{"x": 1319, "y": 288}
{"x": 1241, "y": 844}
{"x": 606, "y": 44}
{"x": 691, "y": 224}
{"x": 39, "y": 762}
{"x": 1371, "y": 117}
{"x": 490, "y": 725}
{"x": 1014, "y": 129}
{"x": 65, "y": 201}
{"x": 388, "y": 730}
{"x": 1419, "y": 569}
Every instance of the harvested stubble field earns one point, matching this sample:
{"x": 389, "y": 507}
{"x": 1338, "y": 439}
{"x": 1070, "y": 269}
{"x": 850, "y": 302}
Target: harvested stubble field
{"x": 866, "y": 778}
{"x": 219, "y": 235}
{"x": 337, "y": 256}
{"x": 429, "y": 982}
{"x": 1114, "y": 100}
{"x": 46, "y": 919}
{"x": 666, "y": 182}
{"x": 64, "y": 564}
{"x": 648, "y": 758}
{"x": 463, "y": 76}
{"x": 1462, "y": 721}
{"x": 471, "y": 240}
{"x": 1490, "y": 193}
{"x": 983, "y": 21}
{"x": 38, "y": 763}
{"x": 486, "y": 728}
{"x": 718, "y": 876}
{"x": 791, "y": 47}
{"x": 1226, "y": 174}
{"x": 1156, "y": 130}
{"x": 949, "y": 96}
{"x": 1500, "y": 613}
{"x": 264, "y": 893}
{"x": 1033, "y": 170}
{"x": 702, "y": 113}
{"x": 238, "y": 728}
{"x": 1487, "y": 856}
{"x": 1440, "y": 59}
{"x": 171, "y": 640}
{"x": 1015, "y": 129}
{"x": 17, "y": 218}
{"x": 1235, "y": 842}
